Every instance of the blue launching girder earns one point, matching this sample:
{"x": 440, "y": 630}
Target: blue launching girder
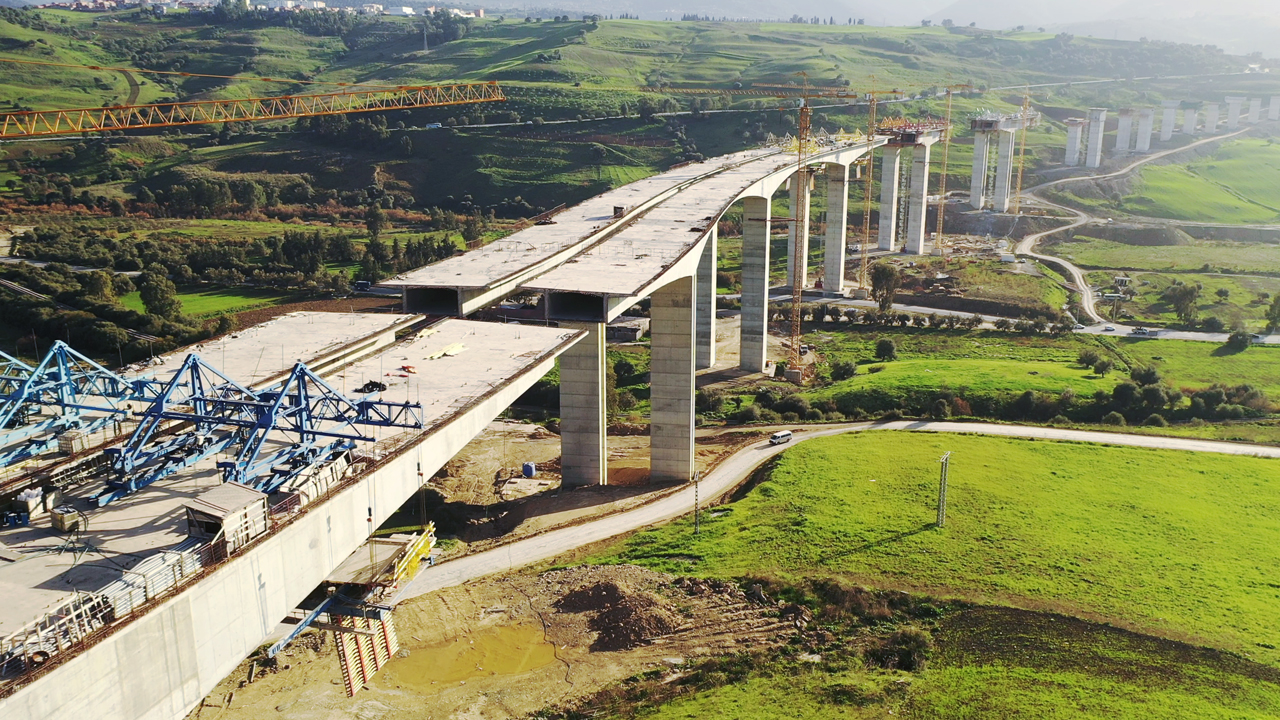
{"x": 197, "y": 393}
{"x": 281, "y": 431}
{"x": 87, "y": 396}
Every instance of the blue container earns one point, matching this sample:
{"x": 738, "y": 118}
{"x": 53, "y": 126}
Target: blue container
{"x": 22, "y": 520}
{"x": 530, "y": 469}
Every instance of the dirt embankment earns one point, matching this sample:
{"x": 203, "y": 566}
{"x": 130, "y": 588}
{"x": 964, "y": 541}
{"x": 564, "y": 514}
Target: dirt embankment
{"x": 508, "y": 646}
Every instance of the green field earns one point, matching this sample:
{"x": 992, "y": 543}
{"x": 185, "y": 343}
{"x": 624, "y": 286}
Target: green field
{"x": 1239, "y": 183}
{"x": 1245, "y": 302}
{"x": 1244, "y": 257}
{"x": 1166, "y": 542}
{"x": 1196, "y": 364}
{"x": 205, "y": 303}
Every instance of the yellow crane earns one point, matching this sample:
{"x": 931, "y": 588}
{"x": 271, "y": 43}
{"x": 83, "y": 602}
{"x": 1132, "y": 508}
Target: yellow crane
{"x": 357, "y": 97}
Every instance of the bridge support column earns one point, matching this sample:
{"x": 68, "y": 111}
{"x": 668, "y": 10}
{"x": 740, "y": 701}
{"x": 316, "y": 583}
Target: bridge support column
{"x": 1097, "y": 127}
{"x": 754, "y": 333}
{"x": 582, "y": 410}
{"x": 890, "y": 168}
{"x": 833, "y": 245}
{"x": 1168, "y": 119}
{"x": 1004, "y": 172}
{"x": 1233, "y": 113}
{"x": 1146, "y": 126}
{"x": 978, "y": 180}
{"x": 918, "y": 210}
{"x": 798, "y": 235}
{"x": 1189, "y": 121}
{"x": 706, "y": 311}
{"x": 671, "y": 379}
{"x": 1124, "y": 132}
{"x": 1211, "y": 118}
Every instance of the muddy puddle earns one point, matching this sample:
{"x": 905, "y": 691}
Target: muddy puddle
{"x": 507, "y": 650}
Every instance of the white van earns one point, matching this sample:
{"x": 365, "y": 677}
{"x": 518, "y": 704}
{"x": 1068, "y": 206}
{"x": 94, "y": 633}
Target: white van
{"x": 782, "y": 436}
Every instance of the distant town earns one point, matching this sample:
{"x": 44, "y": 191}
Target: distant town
{"x": 161, "y": 8}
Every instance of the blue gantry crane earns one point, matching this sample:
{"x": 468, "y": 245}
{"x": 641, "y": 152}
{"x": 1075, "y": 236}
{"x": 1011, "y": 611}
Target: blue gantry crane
{"x": 280, "y": 431}
{"x": 83, "y": 395}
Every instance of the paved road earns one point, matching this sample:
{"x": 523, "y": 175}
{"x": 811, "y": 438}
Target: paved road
{"x": 733, "y": 472}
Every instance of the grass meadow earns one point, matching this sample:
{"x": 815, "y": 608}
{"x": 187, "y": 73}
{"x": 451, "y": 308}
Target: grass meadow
{"x": 208, "y": 302}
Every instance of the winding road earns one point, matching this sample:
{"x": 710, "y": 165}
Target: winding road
{"x": 735, "y": 470}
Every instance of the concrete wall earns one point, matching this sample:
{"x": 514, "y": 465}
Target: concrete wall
{"x": 160, "y": 666}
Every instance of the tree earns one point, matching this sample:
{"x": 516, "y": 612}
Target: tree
{"x": 941, "y": 409}
{"x": 1113, "y": 418}
{"x": 1088, "y": 357}
{"x": 1223, "y": 294}
{"x": 99, "y": 284}
{"x": 1183, "y": 298}
{"x": 471, "y": 229}
{"x": 226, "y": 323}
{"x": 159, "y": 295}
{"x": 886, "y": 350}
{"x": 1103, "y": 366}
{"x": 843, "y": 370}
{"x": 1239, "y": 340}
{"x": 885, "y": 280}
{"x": 375, "y": 220}
{"x": 1273, "y": 314}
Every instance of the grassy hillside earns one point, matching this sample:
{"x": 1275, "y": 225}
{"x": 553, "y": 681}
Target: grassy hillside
{"x": 1167, "y": 542}
{"x": 1229, "y": 255}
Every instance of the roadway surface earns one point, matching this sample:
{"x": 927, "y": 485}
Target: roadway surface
{"x": 734, "y": 471}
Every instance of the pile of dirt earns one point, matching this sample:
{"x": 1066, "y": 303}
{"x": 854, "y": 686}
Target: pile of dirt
{"x": 623, "y": 618}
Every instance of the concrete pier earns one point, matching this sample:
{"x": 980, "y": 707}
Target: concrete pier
{"x": 978, "y": 180}
{"x": 1233, "y": 113}
{"x": 1124, "y": 132}
{"x": 918, "y": 209}
{"x": 1075, "y": 133}
{"x": 671, "y": 378}
{"x": 755, "y": 284}
{"x": 1146, "y": 125}
{"x": 1255, "y": 110}
{"x": 706, "y": 310}
{"x": 1189, "y": 121}
{"x": 833, "y": 244}
{"x": 1097, "y": 126}
{"x": 1168, "y": 119}
{"x": 582, "y": 409}
{"x": 798, "y": 229}
{"x": 890, "y": 168}
{"x": 1211, "y": 118}
{"x": 1004, "y": 171}
{"x": 1273, "y": 110}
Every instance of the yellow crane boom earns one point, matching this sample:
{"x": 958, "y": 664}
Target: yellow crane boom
{"x": 43, "y": 123}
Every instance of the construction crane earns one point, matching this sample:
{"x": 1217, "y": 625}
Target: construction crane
{"x": 946, "y": 148}
{"x": 1022, "y": 150}
{"x": 358, "y": 97}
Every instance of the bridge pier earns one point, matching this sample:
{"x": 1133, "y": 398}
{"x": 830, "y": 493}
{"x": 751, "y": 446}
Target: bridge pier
{"x": 918, "y": 208}
{"x": 582, "y": 409}
{"x": 978, "y": 177}
{"x": 754, "y": 332}
{"x": 706, "y": 311}
{"x": 833, "y": 244}
{"x": 1004, "y": 172}
{"x": 890, "y": 168}
{"x": 798, "y": 232}
{"x": 671, "y": 375}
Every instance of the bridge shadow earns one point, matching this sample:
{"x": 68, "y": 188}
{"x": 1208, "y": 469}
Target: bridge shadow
{"x": 888, "y": 540}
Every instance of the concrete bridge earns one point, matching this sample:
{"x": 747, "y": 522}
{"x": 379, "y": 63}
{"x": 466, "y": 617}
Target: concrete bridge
{"x": 654, "y": 238}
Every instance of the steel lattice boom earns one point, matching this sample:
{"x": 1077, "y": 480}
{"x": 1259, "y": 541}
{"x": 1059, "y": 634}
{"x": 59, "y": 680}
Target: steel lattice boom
{"x": 38, "y": 123}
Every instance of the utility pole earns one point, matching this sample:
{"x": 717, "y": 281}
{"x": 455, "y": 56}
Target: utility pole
{"x": 942, "y": 489}
{"x": 697, "y": 525}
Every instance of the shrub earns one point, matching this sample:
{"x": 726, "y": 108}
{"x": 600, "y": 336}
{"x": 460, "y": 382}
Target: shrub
{"x": 1155, "y": 420}
{"x": 1088, "y": 357}
{"x": 1060, "y": 420}
{"x": 843, "y": 370}
{"x": 886, "y": 349}
{"x": 1212, "y": 324}
{"x": 790, "y": 417}
{"x": 814, "y": 415}
{"x": 875, "y": 369}
{"x": 797, "y": 404}
{"x": 1231, "y": 412}
{"x": 1113, "y": 418}
{"x": 941, "y": 409}
{"x": 1102, "y": 367}
{"x": 905, "y": 649}
{"x": 748, "y": 414}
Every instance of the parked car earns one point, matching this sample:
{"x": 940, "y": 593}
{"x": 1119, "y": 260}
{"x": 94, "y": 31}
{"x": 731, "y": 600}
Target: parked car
{"x": 1109, "y": 328}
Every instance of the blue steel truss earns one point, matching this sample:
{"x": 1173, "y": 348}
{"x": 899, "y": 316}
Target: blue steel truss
{"x": 86, "y": 396}
{"x": 280, "y": 432}
{"x": 198, "y": 394}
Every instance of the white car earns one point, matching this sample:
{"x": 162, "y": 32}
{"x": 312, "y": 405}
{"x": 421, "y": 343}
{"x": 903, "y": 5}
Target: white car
{"x": 1109, "y": 328}
{"x": 1078, "y": 327}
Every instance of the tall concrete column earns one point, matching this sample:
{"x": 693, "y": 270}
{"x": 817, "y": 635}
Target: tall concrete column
{"x": 1168, "y": 118}
{"x": 1210, "y": 118}
{"x": 582, "y": 410}
{"x": 890, "y": 168}
{"x": 1004, "y": 171}
{"x": 798, "y": 230}
{"x": 978, "y": 180}
{"x": 1146, "y": 125}
{"x": 1097, "y": 127}
{"x": 1273, "y": 110}
{"x": 1075, "y": 133}
{"x": 706, "y": 311}
{"x": 833, "y": 245}
{"x": 1255, "y": 110}
{"x": 1233, "y": 112}
{"x": 1189, "y": 121}
{"x": 671, "y": 331}
{"x": 918, "y": 209}
{"x": 754, "y": 333}
{"x": 1124, "y": 132}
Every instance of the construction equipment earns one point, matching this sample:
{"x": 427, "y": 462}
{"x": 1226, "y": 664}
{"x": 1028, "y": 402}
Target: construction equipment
{"x": 1022, "y": 151}
{"x": 946, "y": 148}
{"x": 45, "y": 123}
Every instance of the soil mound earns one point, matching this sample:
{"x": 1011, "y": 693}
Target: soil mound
{"x": 622, "y": 618}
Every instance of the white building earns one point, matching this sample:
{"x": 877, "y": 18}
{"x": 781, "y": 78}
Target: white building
{"x": 400, "y": 11}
